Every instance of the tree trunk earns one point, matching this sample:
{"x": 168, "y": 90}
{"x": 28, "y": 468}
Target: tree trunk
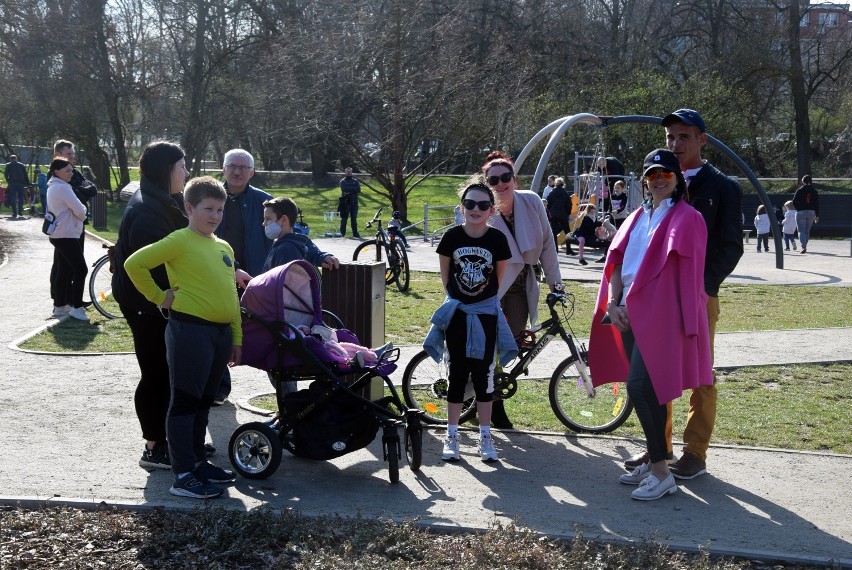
{"x": 797, "y": 89}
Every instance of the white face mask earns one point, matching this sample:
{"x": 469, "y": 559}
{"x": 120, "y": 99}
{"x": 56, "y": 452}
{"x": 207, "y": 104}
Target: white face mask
{"x": 272, "y": 229}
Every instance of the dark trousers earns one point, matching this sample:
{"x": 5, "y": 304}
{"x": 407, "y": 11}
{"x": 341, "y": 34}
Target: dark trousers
{"x": 198, "y": 356}
{"x": 53, "y": 269}
{"x": 652, "y": 415}
{"x": 17, "y": 197}
{"x": 152, "y": 393}
{"x": 351, "y": 213}
{"x": 763, "y": 239}
{"x": 70, "y": 269}
{"x": 480, "y": 372}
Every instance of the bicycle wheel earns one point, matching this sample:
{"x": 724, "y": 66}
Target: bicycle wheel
{"x": 401, "y": 270}
{"x": 603, "y": 412}
{"x": 369, "y": 251}
{"x": 100, "y": 290}
{"x": 424, "y": 386}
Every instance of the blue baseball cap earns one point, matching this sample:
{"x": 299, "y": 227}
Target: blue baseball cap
{"x": 687, "y": 117}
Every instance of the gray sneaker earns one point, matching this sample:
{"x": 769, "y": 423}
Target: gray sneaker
{"x": 157, "y": 458}
{"x": 486, "y": 449}
{"x": 188, "y": 485}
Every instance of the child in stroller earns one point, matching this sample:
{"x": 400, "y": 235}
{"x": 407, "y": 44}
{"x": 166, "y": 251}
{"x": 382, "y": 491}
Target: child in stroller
{"x": 284, "y": 334}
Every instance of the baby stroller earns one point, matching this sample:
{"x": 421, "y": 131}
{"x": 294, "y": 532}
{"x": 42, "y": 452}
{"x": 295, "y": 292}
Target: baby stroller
{"x": 280, "y": 309}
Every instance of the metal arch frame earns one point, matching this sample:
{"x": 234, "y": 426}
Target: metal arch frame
{"x": 557, "y": 128}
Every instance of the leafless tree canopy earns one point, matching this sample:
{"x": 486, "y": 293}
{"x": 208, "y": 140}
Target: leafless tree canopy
{"x": 400, "y": 88}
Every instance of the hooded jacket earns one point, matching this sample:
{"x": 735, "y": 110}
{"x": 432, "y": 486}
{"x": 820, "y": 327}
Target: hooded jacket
{"x": 291, "y": 247}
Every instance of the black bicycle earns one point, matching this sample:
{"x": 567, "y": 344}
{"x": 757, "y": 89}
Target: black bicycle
{"x": 578, "y": 405}
{"x": 100, "y": 286}
{"x": 385, "y": 243}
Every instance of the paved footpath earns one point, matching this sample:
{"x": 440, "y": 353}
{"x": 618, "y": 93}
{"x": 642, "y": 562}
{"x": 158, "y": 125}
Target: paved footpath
{"x": 68, "y": 434}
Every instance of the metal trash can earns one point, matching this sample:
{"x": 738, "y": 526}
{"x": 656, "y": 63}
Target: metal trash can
{"x": 355, "y": 292}
{"x": 99, "y": 213}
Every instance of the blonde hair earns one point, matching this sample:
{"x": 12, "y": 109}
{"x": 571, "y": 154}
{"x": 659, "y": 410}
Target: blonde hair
{"x": 789, "y": 205}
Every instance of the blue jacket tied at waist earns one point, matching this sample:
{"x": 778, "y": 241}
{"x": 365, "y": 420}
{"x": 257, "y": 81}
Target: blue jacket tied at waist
{"x": 506, "y": 348}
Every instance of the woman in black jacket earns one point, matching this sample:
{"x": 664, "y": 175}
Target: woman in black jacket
{"x": 153, "y": 212}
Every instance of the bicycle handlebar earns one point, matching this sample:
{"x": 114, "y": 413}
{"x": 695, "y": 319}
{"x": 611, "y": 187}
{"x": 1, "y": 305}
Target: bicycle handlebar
{"x": 375, "y": 218}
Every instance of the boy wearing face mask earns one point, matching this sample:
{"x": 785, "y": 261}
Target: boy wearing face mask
{"x": 279, "y": 216}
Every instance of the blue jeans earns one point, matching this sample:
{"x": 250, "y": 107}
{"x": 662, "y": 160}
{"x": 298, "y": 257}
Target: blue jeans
{"x": 804, "y": 221}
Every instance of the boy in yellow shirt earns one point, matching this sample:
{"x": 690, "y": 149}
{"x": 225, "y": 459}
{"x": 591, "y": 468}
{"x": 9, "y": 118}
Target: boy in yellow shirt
{"x": 204, "y": 333}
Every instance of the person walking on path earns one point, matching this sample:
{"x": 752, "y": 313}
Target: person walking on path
{"x": 806, "y": 202}
{"x": 16, "y": 182}
{"x": 652, "y": 290}
{"x": 348, "y": 208}
{"x": 719, "y": 200}
{"x": 789, "y": 225}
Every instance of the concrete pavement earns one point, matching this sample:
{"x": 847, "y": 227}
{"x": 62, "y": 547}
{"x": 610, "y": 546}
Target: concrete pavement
{"x": 69, "y": 434}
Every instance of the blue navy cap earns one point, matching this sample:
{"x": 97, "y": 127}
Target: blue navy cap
{"x": 661, "y": 158}
{"x": 686, "y": 116}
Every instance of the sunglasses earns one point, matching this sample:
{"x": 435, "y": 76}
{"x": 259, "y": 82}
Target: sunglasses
{"x": 505, "y": 178}
{"x": 666, "y": 174}
{"x": 483, "y": 205}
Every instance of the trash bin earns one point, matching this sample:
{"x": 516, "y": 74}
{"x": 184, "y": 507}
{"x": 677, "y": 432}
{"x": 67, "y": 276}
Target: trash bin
{"x": 99, "y": 211}
{"x": 355, "y": 292}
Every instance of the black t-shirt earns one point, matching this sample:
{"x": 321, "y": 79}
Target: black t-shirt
{"x": 473, "y": 263}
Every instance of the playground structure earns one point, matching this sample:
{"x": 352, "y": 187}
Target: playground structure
{"x": 557, "y": 129}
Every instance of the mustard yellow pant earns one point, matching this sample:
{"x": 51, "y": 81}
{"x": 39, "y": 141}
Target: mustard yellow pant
{"x": 702, "y": 402}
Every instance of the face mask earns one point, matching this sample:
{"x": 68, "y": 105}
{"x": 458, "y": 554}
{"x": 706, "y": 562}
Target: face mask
{"x": 272, "y": 230}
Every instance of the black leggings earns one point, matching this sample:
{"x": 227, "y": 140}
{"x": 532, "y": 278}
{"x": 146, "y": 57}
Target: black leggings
{"x": 153, "y": 391}
{"x": 481, "y": 372}
{"x": 651, "y": 414}
{"x": 70, "y": 268}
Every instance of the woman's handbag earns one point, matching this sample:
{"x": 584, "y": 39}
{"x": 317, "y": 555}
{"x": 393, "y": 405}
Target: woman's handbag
{"x": 49, "y": 224}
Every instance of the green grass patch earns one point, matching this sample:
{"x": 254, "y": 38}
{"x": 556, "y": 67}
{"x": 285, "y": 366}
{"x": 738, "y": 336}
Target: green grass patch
{"x": 803, "y": 407}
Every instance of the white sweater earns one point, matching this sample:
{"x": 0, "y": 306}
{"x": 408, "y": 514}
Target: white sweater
{"x": 69, "y": 211}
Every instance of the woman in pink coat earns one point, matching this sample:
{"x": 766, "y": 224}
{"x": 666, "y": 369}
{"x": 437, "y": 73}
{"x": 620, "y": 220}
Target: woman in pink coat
{"x": 652, "y": 291}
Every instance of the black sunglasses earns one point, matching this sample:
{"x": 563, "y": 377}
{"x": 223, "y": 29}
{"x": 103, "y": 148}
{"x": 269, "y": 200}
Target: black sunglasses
{"x": 483, "y": 205}
{"x": 505, "y": 177}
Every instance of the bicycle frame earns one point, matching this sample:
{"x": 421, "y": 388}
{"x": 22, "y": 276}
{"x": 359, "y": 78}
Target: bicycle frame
{"x": 554, "y": 327}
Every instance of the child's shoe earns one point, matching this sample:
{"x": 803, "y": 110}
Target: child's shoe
{"x": 451, "y": 449}
{"x": 486, "y": 449}
{"x": 794, "y": 246}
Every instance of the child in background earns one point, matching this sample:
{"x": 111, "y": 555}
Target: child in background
{"x": 788, "y": 226}
{"x": 395, "y": 228}
{"x": 472, "y": 257}
{"x": 761, "y": 224}
{"x": 204, "y": 332}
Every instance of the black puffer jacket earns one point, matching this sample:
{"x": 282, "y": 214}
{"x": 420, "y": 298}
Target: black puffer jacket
{"x": 719, "y": 199}
{"x": 151, "y": 215}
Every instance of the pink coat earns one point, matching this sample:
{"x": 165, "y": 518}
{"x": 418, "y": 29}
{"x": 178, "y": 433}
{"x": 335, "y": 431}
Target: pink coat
{"x": 667, "y": 306}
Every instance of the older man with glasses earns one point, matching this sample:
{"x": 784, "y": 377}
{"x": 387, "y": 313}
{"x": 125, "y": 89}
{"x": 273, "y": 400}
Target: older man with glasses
{"x": 242, "y": 227}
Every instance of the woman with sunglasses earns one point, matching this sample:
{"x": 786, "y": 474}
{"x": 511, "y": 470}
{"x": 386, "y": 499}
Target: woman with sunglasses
{"x": 652, "y": 292}
{"x": 523, "y": 220}
{"x": 469, "y": 322}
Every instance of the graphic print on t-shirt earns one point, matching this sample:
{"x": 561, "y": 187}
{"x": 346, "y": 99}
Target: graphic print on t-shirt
{"x": 474, "y": 265}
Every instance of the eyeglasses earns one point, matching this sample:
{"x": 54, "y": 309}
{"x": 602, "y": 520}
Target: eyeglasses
{"x": 666, "y": 174}
{"x": 483, "y": 205}
{"x": 240, "y": 167}
{"x": 505, "y": 177}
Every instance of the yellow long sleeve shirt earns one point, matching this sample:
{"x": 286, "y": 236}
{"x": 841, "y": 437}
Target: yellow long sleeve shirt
{"x": 201, "y": 273}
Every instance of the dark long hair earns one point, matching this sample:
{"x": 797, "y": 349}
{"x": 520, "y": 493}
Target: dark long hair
{"x": 157, "y": 161}
{"x": 58, "y": 163}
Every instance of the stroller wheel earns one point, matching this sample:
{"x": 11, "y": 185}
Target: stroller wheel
{"x": 255, "y": 450}
{"x": 414, "y": 447}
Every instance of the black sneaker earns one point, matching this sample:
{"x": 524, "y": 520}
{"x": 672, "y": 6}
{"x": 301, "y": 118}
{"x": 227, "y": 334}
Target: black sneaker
{"x": 157, "y": 458}
{"x": 601, "y": 259}
{"x": 209, "y": 450}
{"x": 209, "y": 472}
{"x": 188, "y": 485}
{"x": 583, "y": 262}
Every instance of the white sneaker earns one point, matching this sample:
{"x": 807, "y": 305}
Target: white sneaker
{"x": 652, "y": 488}
{"x": 486, "y": 449}
{"x": 61, "y": 311}
{"x": 637, "y": 475}
{"x": 78, "y": 313}
{"x": 451, "y": 449}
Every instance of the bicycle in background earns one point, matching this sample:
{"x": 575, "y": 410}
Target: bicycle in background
{"x": 398, "y": 270}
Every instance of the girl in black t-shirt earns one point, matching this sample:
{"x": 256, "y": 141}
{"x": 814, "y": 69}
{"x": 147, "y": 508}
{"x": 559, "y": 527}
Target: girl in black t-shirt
{"x": 472, "y": 259}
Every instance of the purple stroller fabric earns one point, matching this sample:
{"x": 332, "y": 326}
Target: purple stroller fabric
{"x": 290, "y": 293}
